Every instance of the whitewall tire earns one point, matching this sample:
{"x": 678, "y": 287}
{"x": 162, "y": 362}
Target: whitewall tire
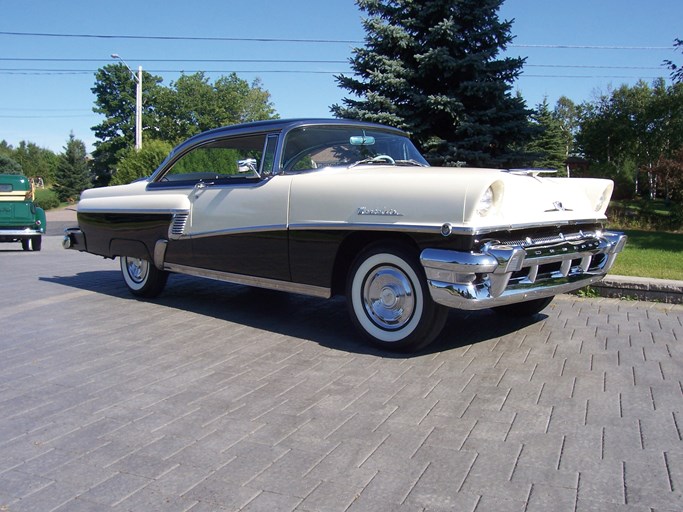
{"x": 141, "y": 277}
{"x": 388, "y": 299}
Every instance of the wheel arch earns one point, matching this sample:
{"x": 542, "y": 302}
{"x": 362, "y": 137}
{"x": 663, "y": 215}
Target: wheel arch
{"x": 131, "y": 248}
{"x": 356, "y": 242}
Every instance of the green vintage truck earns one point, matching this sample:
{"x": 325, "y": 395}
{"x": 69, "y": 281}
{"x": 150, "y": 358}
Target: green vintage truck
{"x": 20, "y": 219}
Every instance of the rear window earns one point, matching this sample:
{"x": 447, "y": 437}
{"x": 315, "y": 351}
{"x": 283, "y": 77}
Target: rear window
{"x": 6, "y": 187}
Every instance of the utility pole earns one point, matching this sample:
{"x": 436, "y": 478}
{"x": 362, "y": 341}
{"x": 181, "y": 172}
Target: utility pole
{"x": 138, "y": 100}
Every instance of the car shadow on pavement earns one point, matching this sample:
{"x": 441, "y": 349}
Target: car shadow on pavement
{"x": 325, "y": 322}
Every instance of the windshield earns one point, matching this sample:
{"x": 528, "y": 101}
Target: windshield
{"x": 314, "y": 147}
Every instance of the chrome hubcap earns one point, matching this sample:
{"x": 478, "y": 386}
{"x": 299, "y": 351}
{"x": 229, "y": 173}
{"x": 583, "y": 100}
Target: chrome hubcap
{"x": 388, "y": 298}
{"x": 137, "y": 269}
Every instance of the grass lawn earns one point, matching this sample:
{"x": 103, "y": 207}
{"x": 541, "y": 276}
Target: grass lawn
{"x": 651, "y": 254}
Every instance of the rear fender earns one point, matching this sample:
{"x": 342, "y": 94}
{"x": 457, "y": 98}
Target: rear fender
{"x": 132, "y": 248}
{"x": 40, "y": 216}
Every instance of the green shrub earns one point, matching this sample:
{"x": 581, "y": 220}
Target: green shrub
{"x": 46, "y": 198}
{"x": 141, "y": 163}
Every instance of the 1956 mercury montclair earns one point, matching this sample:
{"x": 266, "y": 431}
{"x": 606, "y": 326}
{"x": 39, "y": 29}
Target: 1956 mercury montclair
{"x": 327, "y": 207}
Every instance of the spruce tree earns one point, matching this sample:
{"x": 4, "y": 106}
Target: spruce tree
{"x": 9, "y": 166}
{"x": 72, "y": 175}
{"x": 432, "y": 67}
{"x": 549, "y": 146}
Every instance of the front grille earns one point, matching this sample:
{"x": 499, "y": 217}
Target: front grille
{"x": 553, "y": 239}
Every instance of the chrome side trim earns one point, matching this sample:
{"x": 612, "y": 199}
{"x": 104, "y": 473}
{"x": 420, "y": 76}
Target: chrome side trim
{"x": 433, "y": 228}
{"x": 518, "y": 227}
{"x": 369, "y": 226}
{"x": 346, "y": 226}
{"x": 259, "y": 282}
{"x": 500, "y": 275}
{"x": 132, "y": 210}
{"x": 238, "y": 231}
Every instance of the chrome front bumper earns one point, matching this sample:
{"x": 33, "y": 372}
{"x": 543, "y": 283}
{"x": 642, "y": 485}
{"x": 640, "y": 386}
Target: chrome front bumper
{"x": 504, "y": 274}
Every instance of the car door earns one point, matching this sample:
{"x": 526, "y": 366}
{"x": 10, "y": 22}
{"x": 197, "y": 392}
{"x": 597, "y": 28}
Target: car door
{"x": 238, "y": 213}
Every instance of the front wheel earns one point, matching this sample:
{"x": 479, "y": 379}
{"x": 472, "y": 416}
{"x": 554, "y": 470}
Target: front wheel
{"x": 142, "y": 278}
{"x": 388, "y": 299}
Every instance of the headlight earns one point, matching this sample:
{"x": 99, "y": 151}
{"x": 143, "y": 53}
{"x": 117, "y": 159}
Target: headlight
{"x": 604, "y": 198}
{"x": 486, "y": 202}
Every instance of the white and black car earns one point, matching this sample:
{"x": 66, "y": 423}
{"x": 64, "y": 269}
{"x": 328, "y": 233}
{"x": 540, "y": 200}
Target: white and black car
{"x": 328, "y": 207}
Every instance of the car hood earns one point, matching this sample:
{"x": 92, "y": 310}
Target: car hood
{"x": 433, "y": 196}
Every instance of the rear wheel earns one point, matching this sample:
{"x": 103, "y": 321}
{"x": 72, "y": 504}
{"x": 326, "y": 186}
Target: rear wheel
{"x": 25, "y": 244}
{"x": 142, "y": 278}
{"x": 36, "y": 242}
{"x": 528, "y": 308}
{"x": 388, "y": 299}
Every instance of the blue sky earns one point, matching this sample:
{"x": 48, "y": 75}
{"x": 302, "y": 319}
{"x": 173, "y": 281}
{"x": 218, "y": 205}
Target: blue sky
{"x": 45, "y": 106}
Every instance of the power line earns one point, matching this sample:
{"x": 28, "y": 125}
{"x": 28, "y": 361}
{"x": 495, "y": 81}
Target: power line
{"x": 292, "y": 61}
{"x": 590, "y": 47}
{"x": 8, "y": 109}
{"x": 258, "y": 61}
{"x": 46, "y": 117}
{"x": 182, "y": 38}
{"x": 317, "y": 41}
{"x": 587, "y": 66}
{"x": 38, "y": 71}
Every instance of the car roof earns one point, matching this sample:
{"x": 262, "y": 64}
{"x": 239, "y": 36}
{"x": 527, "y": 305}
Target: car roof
{"x": 279, "y": 125}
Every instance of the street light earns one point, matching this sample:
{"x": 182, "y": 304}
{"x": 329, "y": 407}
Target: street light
{"x": 138, "y": 100}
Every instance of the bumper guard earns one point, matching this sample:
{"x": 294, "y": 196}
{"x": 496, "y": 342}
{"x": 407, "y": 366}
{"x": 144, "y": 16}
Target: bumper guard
{"x": 504, "y": 274}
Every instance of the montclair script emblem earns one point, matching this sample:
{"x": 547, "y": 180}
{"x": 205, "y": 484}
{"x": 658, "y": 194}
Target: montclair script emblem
{"x": 389, "y": 212}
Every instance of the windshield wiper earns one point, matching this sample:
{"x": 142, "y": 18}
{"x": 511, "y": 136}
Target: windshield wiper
{"x": 410, "y": 162}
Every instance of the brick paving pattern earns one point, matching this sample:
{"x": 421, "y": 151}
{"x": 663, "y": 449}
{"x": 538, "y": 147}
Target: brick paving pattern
{"x": 217, "y": 397}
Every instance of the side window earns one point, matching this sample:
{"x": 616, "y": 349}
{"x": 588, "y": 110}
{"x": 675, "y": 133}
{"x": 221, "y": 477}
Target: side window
{"x": 267, "y": 167}
{"x": 236, "y": 157}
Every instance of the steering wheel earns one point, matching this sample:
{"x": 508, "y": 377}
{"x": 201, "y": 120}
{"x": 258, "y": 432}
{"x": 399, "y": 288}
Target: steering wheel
{"x": 383, "y": 158}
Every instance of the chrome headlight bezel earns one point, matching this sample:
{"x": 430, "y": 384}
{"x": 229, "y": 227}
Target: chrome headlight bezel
{"x": 603, "y": 200}
{"x": 489, "y": 201}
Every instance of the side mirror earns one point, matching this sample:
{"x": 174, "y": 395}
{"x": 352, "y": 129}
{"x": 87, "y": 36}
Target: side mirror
{"x": 247, "y": 165}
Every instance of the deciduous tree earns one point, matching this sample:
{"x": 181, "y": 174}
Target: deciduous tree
{"x": 676, "y": 70}
{"x": 115, "y": 90}
{"x": 171, "y": 114}
{"x": 193, "y": 104}
{"x": 626, "y": 132}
